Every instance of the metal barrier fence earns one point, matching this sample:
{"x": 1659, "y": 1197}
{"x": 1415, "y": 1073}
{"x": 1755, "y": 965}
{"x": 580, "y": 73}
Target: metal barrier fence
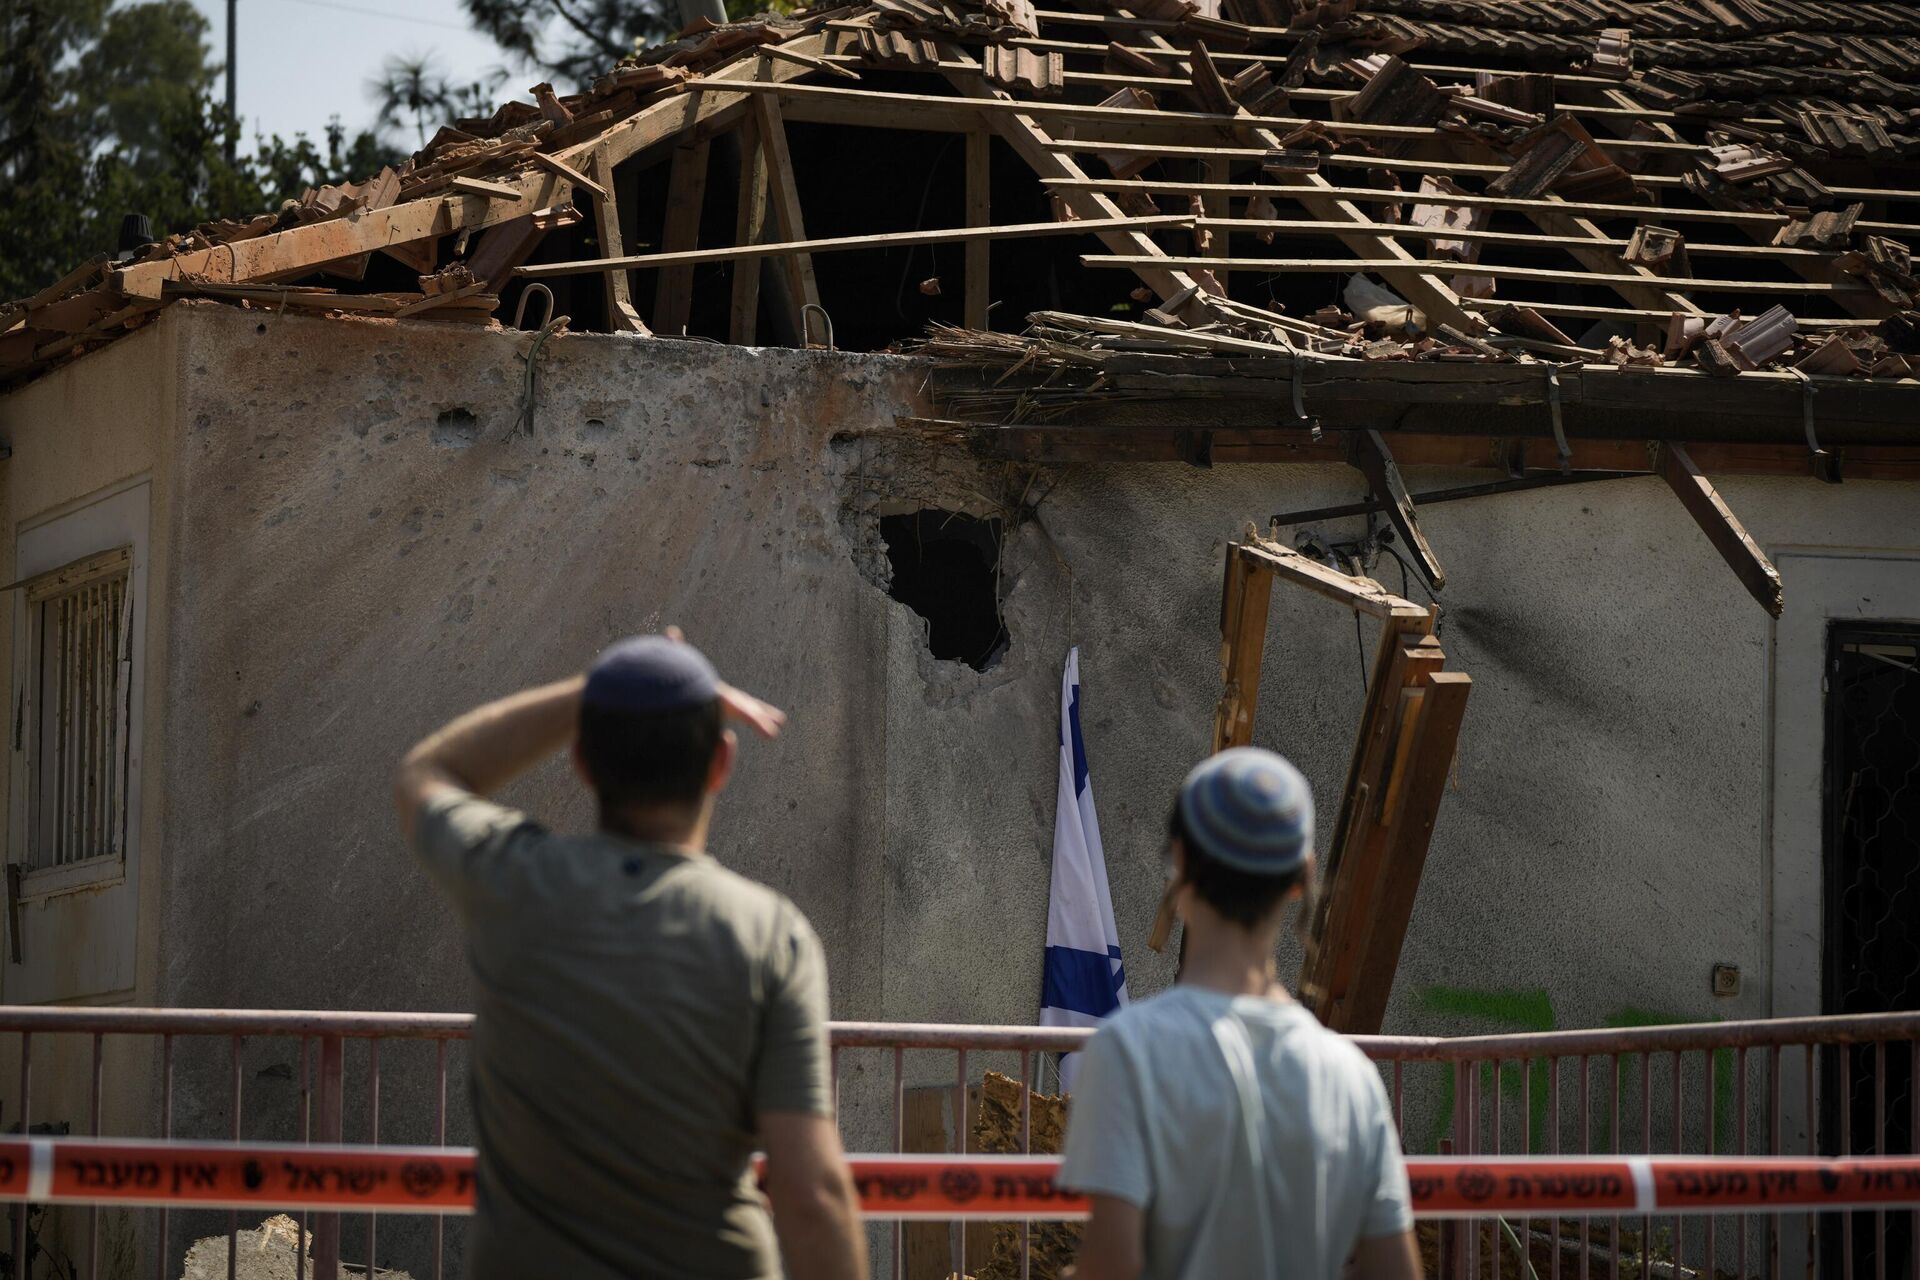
{"x": 1810, "y": 1086}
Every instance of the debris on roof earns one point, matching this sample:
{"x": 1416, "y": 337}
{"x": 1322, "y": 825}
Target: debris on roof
{"x": 1726, "y": 186}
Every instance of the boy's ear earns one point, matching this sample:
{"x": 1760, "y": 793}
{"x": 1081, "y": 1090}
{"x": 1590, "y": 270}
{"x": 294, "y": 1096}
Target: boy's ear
{"x": 723, "y": 757}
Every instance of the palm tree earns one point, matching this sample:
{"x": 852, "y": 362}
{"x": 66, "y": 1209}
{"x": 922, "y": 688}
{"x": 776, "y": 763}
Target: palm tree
{"x": 412, "y": 85}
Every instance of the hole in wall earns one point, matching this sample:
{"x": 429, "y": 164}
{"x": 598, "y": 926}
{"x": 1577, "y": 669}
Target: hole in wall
{"x": 456, "y": 428}
{"x": 946, "y": 569}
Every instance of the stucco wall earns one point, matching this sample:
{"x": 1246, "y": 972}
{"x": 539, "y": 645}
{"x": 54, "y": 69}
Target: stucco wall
{"x": 349, "y": 568}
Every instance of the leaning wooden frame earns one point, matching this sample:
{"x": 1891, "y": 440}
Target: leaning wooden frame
{"x": 1402, "y": 758}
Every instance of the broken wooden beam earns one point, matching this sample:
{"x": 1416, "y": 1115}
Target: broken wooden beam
{"x": 1244, "y": 602}
{"x": 979, "y": 196}
{"x": 1375, "y": 462}
{"x": 784, "y": 197}
{"x": 1723, "y": 529}
{"x": 571, "y": 174}
{"x": 617, "y": 285}
{"x": 1413, "y": 805}
{"x": 750, "y": 227}
{"x": 686, "y": 197}
{"x": 1362, "y": 595}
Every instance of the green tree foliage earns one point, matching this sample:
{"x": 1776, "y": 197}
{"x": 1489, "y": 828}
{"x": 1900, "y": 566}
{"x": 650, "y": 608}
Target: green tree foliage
{"x": 414, "y": 89}
{"x": 108, "y": 110}
{"x": 576, "y": 40}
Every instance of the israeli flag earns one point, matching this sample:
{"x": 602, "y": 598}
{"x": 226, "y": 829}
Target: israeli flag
{"x": 1084, "y": 980}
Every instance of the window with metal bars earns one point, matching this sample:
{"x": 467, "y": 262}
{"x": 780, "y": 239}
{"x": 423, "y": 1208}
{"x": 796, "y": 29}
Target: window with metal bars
{"x": 79, "y": 637}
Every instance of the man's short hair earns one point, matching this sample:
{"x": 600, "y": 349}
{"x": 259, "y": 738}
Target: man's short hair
{"x": 652, "y": 758}
{"x": 1238, "y": 896}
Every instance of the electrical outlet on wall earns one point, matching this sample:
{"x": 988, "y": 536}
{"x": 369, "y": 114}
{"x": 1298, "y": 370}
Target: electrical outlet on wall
{"x": 1726, "y": 980}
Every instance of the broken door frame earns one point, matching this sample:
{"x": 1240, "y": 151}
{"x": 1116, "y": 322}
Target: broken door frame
{"x": 1402, "y": 757}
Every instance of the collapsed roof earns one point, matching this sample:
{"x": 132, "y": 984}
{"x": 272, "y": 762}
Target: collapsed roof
{"x": 1725, "y": 183}
{"x": 1625, "y": 213}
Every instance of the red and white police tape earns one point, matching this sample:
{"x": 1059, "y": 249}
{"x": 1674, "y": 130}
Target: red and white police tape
{"x": 440, "y": 1180}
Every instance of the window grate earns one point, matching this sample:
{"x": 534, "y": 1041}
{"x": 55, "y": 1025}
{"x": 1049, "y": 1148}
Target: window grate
{"x": 80, "y": 649}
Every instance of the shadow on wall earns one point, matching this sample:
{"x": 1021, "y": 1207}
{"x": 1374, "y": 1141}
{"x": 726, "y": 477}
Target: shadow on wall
{"x": 946, "y": 568}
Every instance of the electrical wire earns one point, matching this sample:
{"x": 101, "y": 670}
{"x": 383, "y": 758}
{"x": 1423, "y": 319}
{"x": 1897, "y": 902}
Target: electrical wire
{"x": 926, "y": 193}
{"x": 1428, "y": 591}
{"x": 380, "y": 13}
{"x": 1360, "y": 643}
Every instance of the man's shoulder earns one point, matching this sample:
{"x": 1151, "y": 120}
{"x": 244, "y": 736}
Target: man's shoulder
{"x": 1145, "y": 1020}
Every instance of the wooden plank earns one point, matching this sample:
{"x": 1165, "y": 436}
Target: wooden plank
{"x": 1529, "y": 240}
{"x": 1362, "y": 1006}
{"x": 433, "y": 300}
{"x": 1404, "y": 268}
{"x": 82, "y": 275}
{"x": 750, "y": 227}
{"x": 287, "y": 296}
{"x": 1401, "y": 655}
{"x": 785, "y": 196}
{"x": 1220, "y": 240}
{"x": 1363, "y": 595}
{"x": 1723, "y": 529}
{"x": 1243, "y": 638}
{"x": 1404, "y": 164}
{"x": 298, "y": 250}
{"x": 1375, "y": 461}
{"x": 571, "y": 174}
{"x": 1582, "y": 310}
{"x": 1355, "y": 860}
{"x": 979, "y": 214}
{"x": 835, "y": 244}
{"x": 888, "y": 108}
{"x": 832, "y": 66}
{"x": 1767, "y": 222}
{"x": 686, "y": 197}
{"x": 485, "y": 189}
{"x": 617, "y": 285}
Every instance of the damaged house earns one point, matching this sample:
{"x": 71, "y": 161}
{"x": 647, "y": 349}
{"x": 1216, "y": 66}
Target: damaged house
{"x": 892, "y": 350}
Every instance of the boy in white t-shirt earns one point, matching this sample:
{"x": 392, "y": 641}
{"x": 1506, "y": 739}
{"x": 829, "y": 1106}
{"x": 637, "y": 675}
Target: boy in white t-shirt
{"x": 1219, "y": 1129}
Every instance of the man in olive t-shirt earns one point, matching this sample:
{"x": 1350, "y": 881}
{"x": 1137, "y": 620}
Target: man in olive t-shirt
{"x": 645, "y": 1017}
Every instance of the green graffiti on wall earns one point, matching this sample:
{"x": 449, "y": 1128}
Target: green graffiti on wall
{"x": 1530, "y": 1086}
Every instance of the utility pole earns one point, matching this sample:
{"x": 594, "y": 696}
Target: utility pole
{"x": 233, "y": 113}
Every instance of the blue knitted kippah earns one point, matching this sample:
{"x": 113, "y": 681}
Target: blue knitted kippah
{"x": 1250, "y": 809}
{"x": 643, "y": 674}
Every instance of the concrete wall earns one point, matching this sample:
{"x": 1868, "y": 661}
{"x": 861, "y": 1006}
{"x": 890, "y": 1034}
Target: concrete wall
{"x": 362, "y": 545}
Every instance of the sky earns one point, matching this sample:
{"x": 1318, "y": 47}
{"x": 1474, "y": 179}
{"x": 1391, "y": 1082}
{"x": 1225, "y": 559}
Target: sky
{"x": 302, "y": 61}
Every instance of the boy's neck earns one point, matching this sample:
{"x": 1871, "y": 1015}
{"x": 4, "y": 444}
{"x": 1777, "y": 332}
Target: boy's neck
{"x": 1230, "y": 959}
{"x": 671, "y": 828}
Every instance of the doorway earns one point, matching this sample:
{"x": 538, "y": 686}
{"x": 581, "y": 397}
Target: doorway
{"x": 1871, "y": 934}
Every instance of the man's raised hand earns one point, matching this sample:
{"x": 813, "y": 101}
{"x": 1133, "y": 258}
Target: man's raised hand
{"x": 762, "y": 717}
